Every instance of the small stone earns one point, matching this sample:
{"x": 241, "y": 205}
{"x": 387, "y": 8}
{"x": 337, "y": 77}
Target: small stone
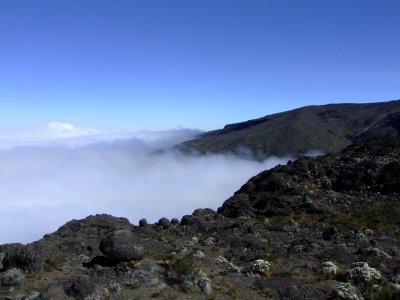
{"x": 13, "y": 277}
{"x": 220, "y": 260}
{"x": 142, "y": 277}
{"x": 378, "y": 253}
{"x": 368, "y": 231}
{"x": 395, "y": 287}
{"x": 328, "y": 268}
{"x": 204, "y": 283}
{"x": 199, "y": 254}
{"x": 231, "y": 268}
{"x": 106, "y": 292}
{"x": 187, "y": 285}
{"x": 261, "y": 266}
{"x": 396, "y": 278}
{"x": 208, "y": 241}
{"x": 115, "y": 288}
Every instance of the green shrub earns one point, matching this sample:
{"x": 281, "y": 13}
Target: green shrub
{"x": 183, "y": 266}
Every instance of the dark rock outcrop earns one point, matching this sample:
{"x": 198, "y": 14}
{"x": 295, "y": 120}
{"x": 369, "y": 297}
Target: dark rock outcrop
{"x": 122, "y": 245}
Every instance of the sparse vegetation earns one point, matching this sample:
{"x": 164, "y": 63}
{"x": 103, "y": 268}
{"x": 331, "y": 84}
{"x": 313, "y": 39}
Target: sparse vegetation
{"x": 183, "y": 266}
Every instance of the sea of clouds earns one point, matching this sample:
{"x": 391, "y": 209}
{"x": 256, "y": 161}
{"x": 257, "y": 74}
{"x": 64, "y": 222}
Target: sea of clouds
{"x": 62, "y": 172}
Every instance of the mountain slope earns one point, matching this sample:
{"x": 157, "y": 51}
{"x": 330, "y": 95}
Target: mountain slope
{"x": 327, "y": 127}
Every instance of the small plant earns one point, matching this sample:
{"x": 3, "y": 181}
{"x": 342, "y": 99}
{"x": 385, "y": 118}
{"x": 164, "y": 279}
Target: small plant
{"x": 183, "y": 266}
{"x": 51, "y": 264}
{"x": 213, "y": 229}
{"x": 158, "y": 294}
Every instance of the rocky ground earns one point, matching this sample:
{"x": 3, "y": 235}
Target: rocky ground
{"x": 317, "y": 228}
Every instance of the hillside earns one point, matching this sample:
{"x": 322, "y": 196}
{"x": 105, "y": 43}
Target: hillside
{"x": 329, "y": 128}
{"x": 316, "y": 228}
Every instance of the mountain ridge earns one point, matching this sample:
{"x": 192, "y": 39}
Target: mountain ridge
{"x": 329, "y": 127}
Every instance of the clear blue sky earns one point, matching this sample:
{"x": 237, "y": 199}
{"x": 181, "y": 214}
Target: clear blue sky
{"x": 154, "y": 64}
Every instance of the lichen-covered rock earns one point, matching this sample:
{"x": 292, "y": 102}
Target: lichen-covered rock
{"x": 362, "y": 272}
{"x": 208, "y": 241}
{"x": 396, "y": 278}
{"x": 122, "y": 245}
{"x": 142, "y": 277}
{"x": 79, "y": 287}
{"x": 145, "y": 273}
{"x": 32, "y": 296}
{"x": 199, "y": 254}
{"x": 204, "y": 283}
{"x": 395, "y": 288}
{"x": 232, "y": 268}
{"x": 219, "y": 260}
{"x": 328, "y": 268}
{"x": 345, "y": 291}
{"x": 261, "y": 266}
{"x": 377, "y": 253}
{"x": 13, "y": 277}
{"x": 115, "y": 288}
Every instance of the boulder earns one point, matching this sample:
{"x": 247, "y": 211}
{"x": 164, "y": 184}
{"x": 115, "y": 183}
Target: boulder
{"x": 122, "y": 245}
{"x": 362, "y": 272}
{"x": 143, "y": 222}
{"x": 261, "y": 266}
{"x": 345, "y": 291}
{"x": 164, "y": 223}
{"x": 328, "y": 268}
{"x": 13, "y": 277}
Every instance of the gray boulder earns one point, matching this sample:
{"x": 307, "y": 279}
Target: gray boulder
{"x": 13, "y": 277}
{"x": 122, "y": 245}
{"x": 345, "y": 291}
{"x": 362, "y": 272}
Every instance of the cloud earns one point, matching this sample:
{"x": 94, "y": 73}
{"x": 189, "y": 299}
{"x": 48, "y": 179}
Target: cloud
{"x": 65, "y": 130}
{"x": 64, "y": 134}
{"x": 44, "y": 186}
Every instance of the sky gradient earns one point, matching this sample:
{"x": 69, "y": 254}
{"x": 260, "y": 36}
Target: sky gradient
{"x": 155, "y": 64}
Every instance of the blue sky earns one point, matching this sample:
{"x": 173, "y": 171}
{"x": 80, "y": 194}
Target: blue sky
{"x": 156, "y": 64}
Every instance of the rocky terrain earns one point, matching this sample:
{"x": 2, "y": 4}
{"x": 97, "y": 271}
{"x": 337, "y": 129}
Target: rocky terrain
{"x": 322, "y": 227}
{"x": 329, "y": 128}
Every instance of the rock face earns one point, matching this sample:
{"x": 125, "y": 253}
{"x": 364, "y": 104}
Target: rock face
{"x": 362, "y": 173}
{"x": 328, "y": 127}
{"x": 317, "y": 228}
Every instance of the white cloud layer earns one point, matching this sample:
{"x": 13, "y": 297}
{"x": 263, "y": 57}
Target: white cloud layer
{"x": 44, "y": 186}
